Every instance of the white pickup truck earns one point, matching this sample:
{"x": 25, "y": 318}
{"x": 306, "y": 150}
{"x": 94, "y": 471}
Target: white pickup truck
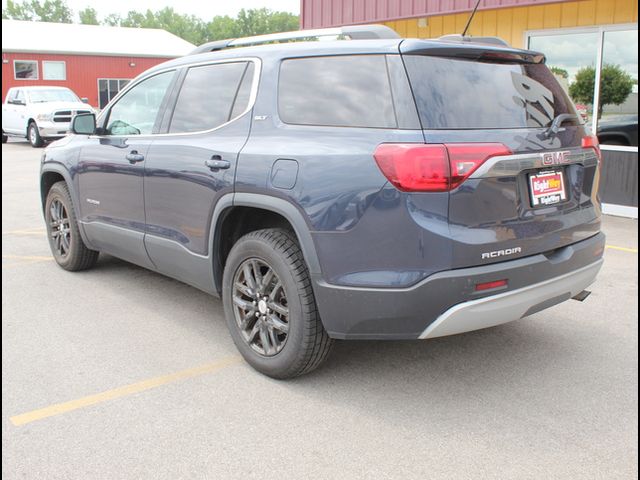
{"x": 40, "y": 113}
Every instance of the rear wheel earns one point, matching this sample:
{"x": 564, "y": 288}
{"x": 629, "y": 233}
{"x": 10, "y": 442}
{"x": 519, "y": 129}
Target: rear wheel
{"x": 4, "y": 137}
{"x": 270, "y": 307}
{"x": 65, "y": 241}
{"x": 33, "y": 135}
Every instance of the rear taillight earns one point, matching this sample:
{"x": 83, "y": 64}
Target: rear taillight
{"x": 592, "y": 142}
{"x": 414, "y": 167}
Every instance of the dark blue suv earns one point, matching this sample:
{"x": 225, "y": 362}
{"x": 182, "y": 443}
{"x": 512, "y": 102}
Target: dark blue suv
{"x": 367, "y": 187}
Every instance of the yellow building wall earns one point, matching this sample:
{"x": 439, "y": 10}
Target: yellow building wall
{"x": 511, "y": 23}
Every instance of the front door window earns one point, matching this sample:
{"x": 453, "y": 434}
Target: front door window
{"x": 136, "y": 112}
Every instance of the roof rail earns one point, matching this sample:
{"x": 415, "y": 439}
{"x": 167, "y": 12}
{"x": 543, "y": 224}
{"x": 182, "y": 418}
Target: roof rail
{"x": 353, "y": 32}
{"x": 468, "y": 39}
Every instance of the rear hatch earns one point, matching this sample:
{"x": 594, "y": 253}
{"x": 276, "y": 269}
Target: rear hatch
{"x": 518, "y": 187}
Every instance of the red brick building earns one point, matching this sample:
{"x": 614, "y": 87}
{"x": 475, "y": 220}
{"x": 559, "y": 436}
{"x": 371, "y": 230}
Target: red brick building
{"x": 93, "y": 61}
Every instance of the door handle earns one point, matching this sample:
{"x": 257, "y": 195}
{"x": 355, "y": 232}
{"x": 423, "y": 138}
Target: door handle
{"x": 216, "y": 163}
{"x": 134, "y": 157}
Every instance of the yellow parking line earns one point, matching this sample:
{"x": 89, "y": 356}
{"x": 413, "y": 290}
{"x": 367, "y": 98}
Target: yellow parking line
{"x": 38, "y": 232}
{"x": 22, "y": 260}
{"x": 26, "y": 257}
{"x": 119, "y": 392}
{"x": 623, "y": 249}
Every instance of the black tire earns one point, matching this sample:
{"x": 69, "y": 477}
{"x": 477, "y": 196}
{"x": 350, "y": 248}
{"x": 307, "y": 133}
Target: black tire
{"x": 65, "y": 241}
{"x": 306, "y": 343}
{"x": 4, "y": 137}
{"x": 33, "y": 135}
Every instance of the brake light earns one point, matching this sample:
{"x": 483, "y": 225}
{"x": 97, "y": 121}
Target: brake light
{"x": 592, "y": 142}
{"x": 413, "y": 167}
{"x": 465, "y": 158}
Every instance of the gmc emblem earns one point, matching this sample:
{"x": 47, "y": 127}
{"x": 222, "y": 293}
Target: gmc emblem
{"x": 555, "y": 158}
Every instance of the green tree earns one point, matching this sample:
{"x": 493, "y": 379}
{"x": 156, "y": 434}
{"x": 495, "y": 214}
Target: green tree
{"x": 89, "y": 16}
{"x": 17, "y": 11}
{"x": 615, "y": 86}
{"x": 113, "y": 20}
{"x": 55, "y": 11}
{"x": 50, "y": 11}
{"x": 260, "y": 21}
{"x": 561, "y": 72}
{"x": 188, "y": 27}
{"x": 140, "y": 20}
{"x": 221, "y": 28}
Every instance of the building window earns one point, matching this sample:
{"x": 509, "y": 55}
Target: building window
{"x": 54, "y": 70}
{"x": 109, "y": 88}
{"x": 25, "y": 69}
{"x": 618, "y": 95}
{"x": 598, "y": 67}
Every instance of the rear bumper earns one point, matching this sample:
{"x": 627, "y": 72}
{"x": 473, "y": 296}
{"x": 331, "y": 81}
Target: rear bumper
{"x": 446, "y": 302}
{"x": 505, "y": 307}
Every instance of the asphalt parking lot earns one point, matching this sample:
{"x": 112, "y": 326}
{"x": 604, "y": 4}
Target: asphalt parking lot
{"x": 119, "y": 372}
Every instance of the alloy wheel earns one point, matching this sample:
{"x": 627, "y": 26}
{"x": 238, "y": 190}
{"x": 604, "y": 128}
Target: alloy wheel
{"x": 260, "y": 307}
{"x": 60, "y": 227}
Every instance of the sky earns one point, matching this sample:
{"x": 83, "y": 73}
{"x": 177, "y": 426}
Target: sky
{"x": 202, "y": 9}
{"x": 574, "y": 51}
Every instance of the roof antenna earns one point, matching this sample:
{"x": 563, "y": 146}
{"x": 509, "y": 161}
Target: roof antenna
{"x": 464, "y": 32}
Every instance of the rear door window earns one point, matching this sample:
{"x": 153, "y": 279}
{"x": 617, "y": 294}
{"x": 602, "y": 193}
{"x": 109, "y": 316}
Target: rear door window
{"x": 459, "y": 94}
{"x": 207, "y": 96}
{"x": 341, "y": 91}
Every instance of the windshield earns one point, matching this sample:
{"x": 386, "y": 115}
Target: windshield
{"x": 452, "y": 93}
{"x": 53, "y": 95}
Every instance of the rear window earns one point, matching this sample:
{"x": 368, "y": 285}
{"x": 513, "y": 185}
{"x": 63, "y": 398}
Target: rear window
{"x": 341, "y": 91}
{"x": 452, "y": 93}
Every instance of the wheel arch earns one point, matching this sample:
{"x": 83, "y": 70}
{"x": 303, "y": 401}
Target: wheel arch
{"x": 615, "y": 136}
{"x": 51, "y": 174}
{"x": 256, "y": 211}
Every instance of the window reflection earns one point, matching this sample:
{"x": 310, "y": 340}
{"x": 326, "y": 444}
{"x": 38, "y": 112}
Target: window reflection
{"x": 568, "y": 55}
{"x": 573, "y": 58}
{"x": 618, "y": 113}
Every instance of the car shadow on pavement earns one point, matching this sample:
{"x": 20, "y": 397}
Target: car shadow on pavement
{"x": 471, "y": 364}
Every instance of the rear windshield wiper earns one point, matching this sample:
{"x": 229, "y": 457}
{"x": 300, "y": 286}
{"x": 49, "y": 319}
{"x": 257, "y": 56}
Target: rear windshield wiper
{"x": 559, "y": 120}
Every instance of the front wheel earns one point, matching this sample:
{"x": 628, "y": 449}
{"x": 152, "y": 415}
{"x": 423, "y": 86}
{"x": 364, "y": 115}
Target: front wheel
{"x": 33, "y": 135}
{"x": 270, "y": 307}
{"x": 65, "y": 241}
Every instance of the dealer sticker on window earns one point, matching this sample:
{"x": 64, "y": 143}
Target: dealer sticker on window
{"x": 547, "y": 188}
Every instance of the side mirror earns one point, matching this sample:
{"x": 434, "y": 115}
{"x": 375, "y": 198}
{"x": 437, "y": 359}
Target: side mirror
{"x": 84, "y": 100}
{"x": 84, "y": 124}
{"x": 18, "y": 102}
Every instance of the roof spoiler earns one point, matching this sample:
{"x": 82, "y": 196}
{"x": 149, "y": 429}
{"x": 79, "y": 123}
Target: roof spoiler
{"x": 487, "y": 49}
{"x": 353, "y": 32}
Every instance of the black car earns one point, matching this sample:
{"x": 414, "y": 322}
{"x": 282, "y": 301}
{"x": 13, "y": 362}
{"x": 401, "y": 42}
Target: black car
{"x": 619, "y": 130}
